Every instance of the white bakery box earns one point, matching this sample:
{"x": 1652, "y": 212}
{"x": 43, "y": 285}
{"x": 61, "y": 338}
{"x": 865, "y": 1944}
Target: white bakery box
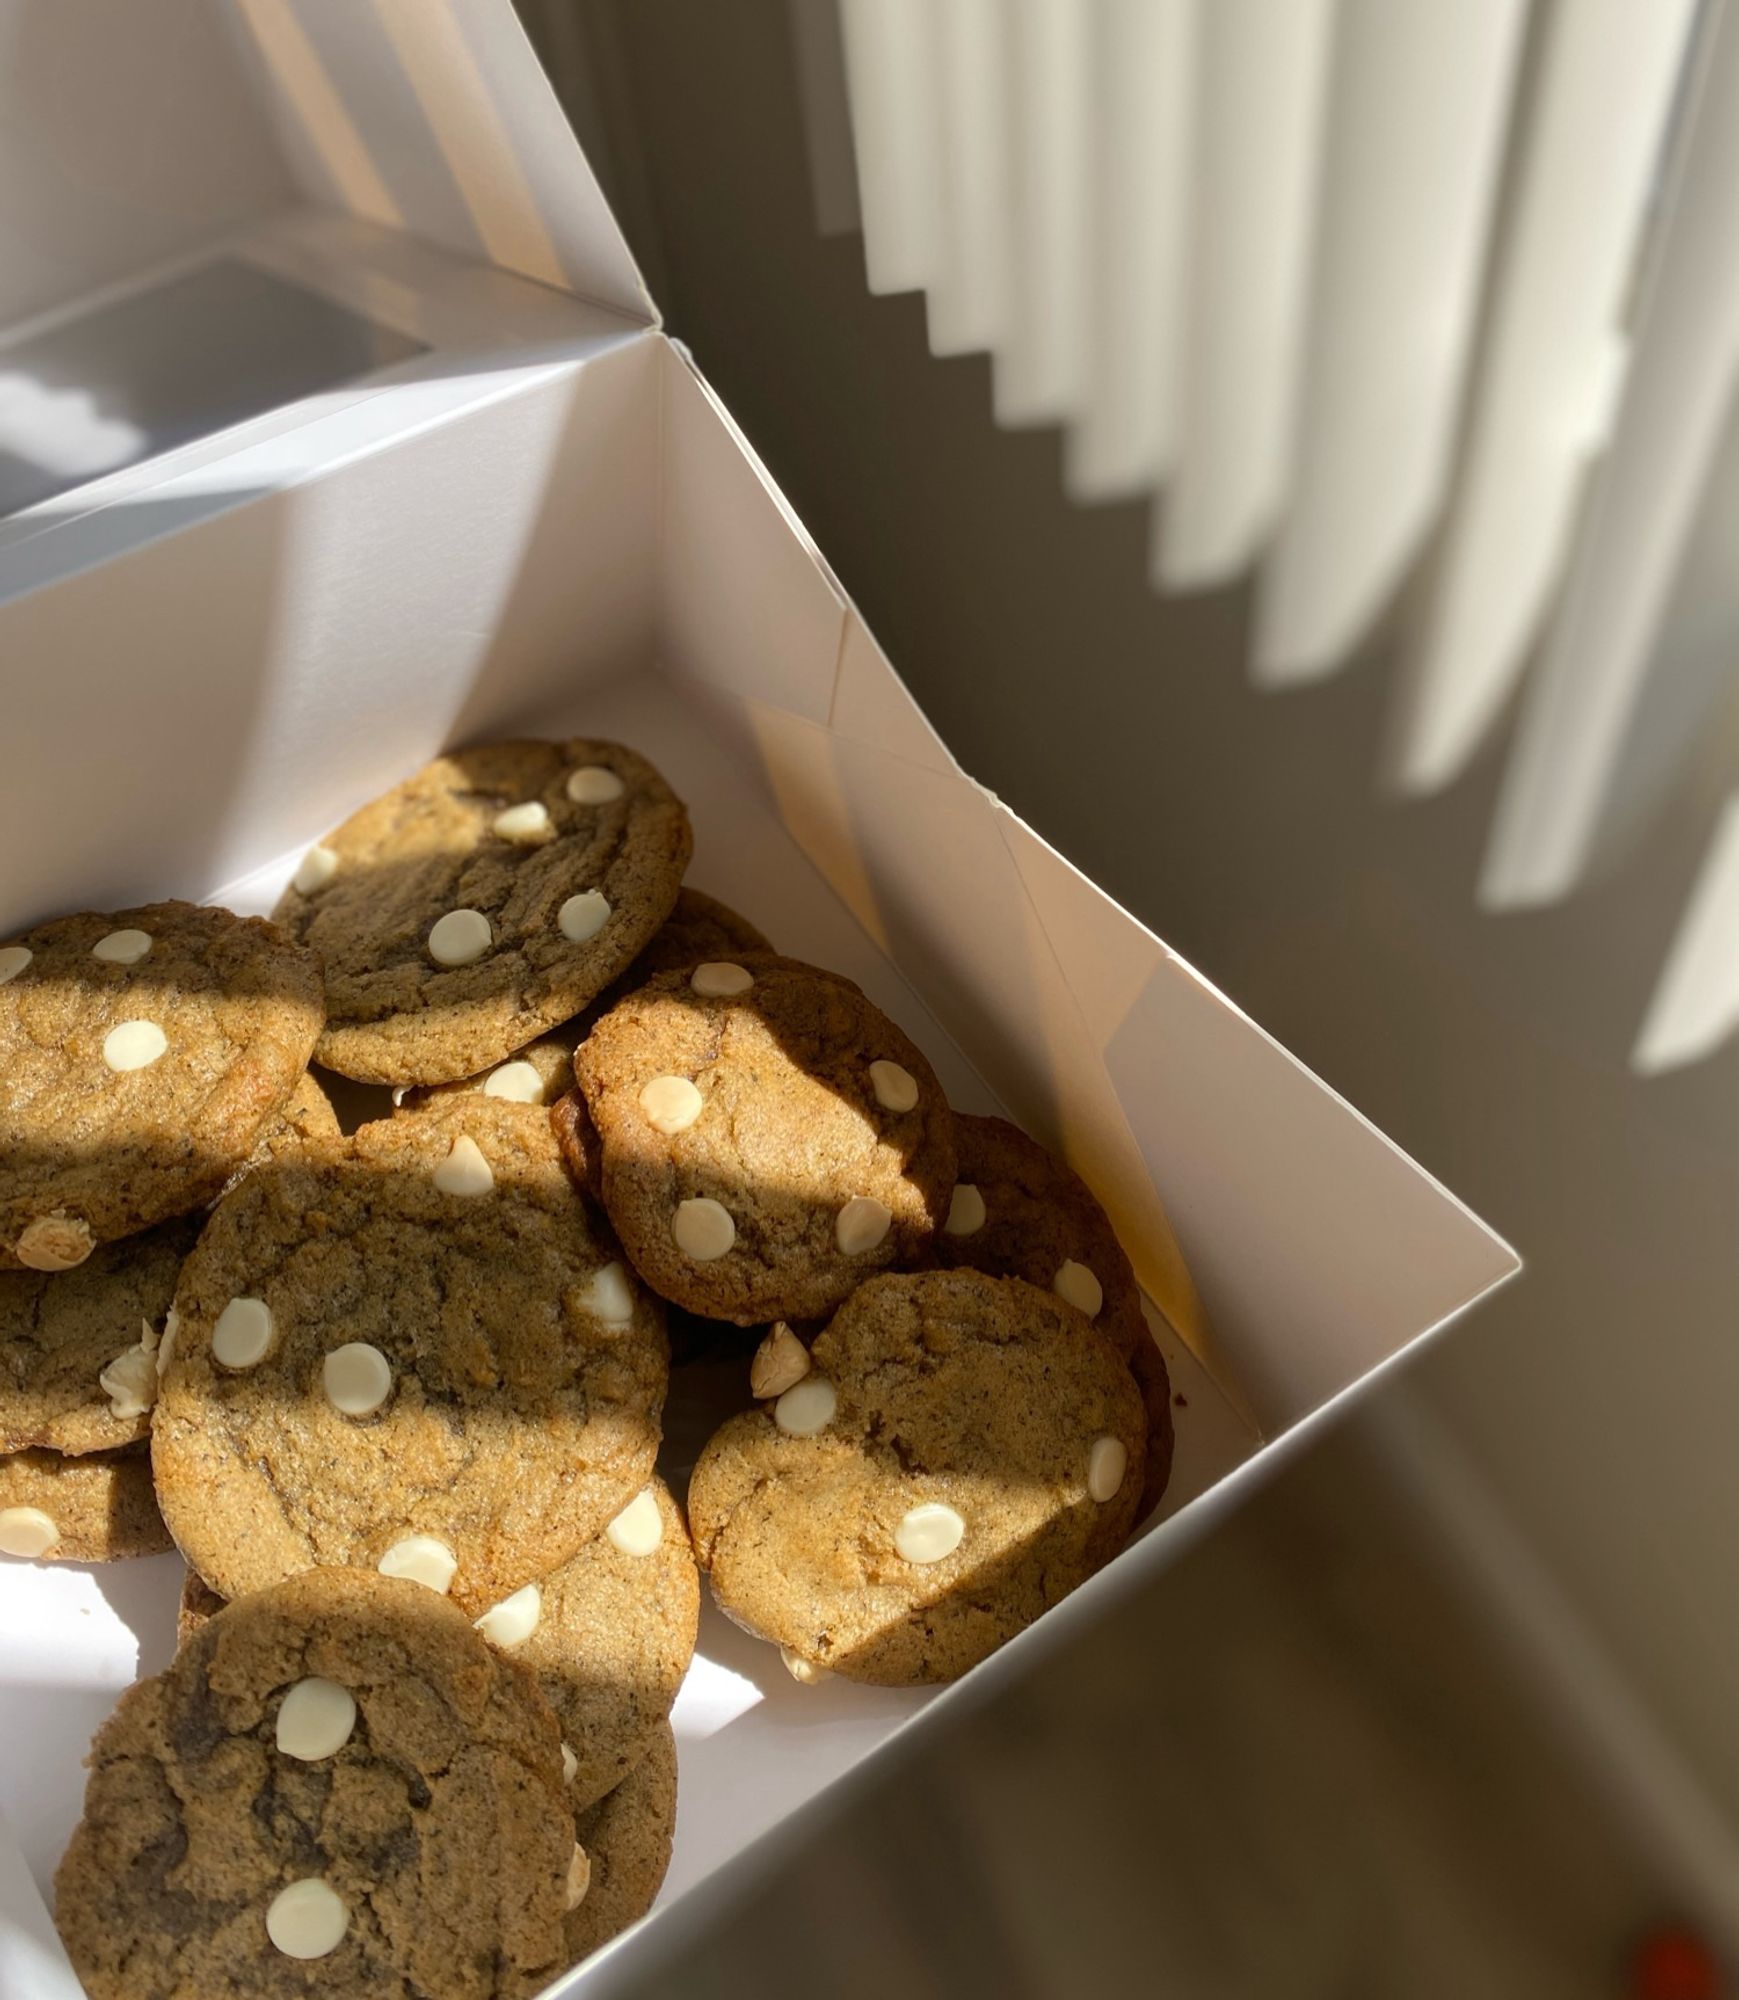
{"x": 336, "y": 426}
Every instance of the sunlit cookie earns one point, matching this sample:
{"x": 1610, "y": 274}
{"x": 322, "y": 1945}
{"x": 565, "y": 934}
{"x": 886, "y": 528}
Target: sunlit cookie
{"x": 483, "y": 902}
{"x": 370, "y": 1710}
{"x": 626, "y": 1838}
{"x": 1018, "y": 1212}
{"x": 768, "y": 1138}
{"x": 78, "y": 1347}
{"x": 961, "y": 1454}
{"x": 459, "y": 1350}
{"x": 96, "y": 1508}
{"x": 168, "y": 1039}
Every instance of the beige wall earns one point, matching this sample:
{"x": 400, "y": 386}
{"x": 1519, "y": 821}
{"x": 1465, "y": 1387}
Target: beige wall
{"x": 1248, "y": 831}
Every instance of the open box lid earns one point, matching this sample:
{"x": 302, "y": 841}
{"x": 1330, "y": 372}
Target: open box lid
{"x": 133, "y": 130}
{"x": 249, "y": 236}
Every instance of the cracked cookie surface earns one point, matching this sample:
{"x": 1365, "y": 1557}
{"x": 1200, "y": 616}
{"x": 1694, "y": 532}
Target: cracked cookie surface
{"x": 417, "y": 1787}
{"x": 769, "y": 1138}
{"x": 962, "y": 1454}
{"x": 142, "y": 1055}
{"x": 96, "y": 1508}
{"x": 417, "y": 1335}
{"x": 483, "y": 901}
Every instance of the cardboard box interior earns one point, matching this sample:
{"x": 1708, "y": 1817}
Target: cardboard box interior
{"x": 548, "y": 524}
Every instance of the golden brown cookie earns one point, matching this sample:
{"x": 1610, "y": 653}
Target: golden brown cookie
{"x": 962, "y": 1454}
{"x": 770, "y": 1138}
{"x": 609, "y": 1636}
{"x": 539, "y": 1073}
{"x": 415, "y": 1347}
{"x": 699, "y": 927}
{"x": 1018, "y": 1212}
{"x": 483, "y": 901}
{"x": 142, "y": 1054}
{"x": 308, "y": 1115}
{"x": 334, "y": 1788}
{"x": 627, "y": 1839}
{"x": 95, "y": 1508}
{"x": 78, "y": 1348}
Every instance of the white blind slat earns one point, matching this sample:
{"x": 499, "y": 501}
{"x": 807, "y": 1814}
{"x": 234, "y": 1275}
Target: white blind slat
{"x": 1643, "y": 509}
{"x": 1417, "y": 115}
{"x": 1696, "y": 1004}
{"x": 1041, "y": 356}
{"x": 896, "y": 138}
{"x": 969, "y": 287}
{"x": 1555, "y": 351}
{"x": 1143, "y": 84}
{"x": 1259, "y": 133}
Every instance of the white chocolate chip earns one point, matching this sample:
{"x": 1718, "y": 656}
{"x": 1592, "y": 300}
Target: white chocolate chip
{"x": 460, "y": 937}
{"x": 166, "y": 1346}
{"x": 609, "y": 1296}
{"x": 529, "y": 825}
{"x": 1106, "y": 1464}
{"x": 518, "y": 1082}
{"x": 357, "y": 1378}
{"x": 308, "y": 1919}
{"x": 421, "y": 1559}
{"x": 570, "y": 1765}
{"x": 130, "y": 1380}
{"x": 465, "y": 1170}
{"x": 719, "y": 979}
{"x": 315, "y": 1720}
{"x": 861, "y": 1224}
{"x": 639, "y": 1528}
{"x": 13, "y": 959}
{"x": 671, "y": 1103}
{"x": 896, "y": 1088}
{"x": 26, "y": 1531}
{"x": 514, "y": 1619}
{"x": 316, "y": 869}
{"x": 593, "y": 785}
{"x": 122, "y": 947}
{"x": 134, "y": 1045}
{"x": 583, "y": 916}
{"x": 929, "y": 1532}
{"x": 400, "y": 1091}
{"x": 1075, "y": 1285}
{"x": 242, "y": 1334}
{"x": 807, "y": 1407}
{"x": 703, "y": 1229}
{"x": 805, "y": 1672}
{"x": 780, "y": 1361}
{"x": 54, "y": 1242}
{"x": 965, "y": 1210}
{"x": 579, "y": 1877}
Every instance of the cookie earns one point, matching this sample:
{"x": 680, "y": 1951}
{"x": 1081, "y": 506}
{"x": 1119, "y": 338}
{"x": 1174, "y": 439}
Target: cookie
{"x": 540, "y": 1073}
{"x": 78, "y": 1348}
{"x": 962, "y": 1454}
{"x": 308, "y": 1115}
{"x": 1018, "y": 1212}
{"x": 142, "y": 1054}
{"x": 483, "y": 901}
{"x": 334, "y": 1788}
{"x": 627, "y": 1839}
{"x": 698, "y": 928}
{"x": 96, "y": 1508}
{"x": 416, "y": 1347}
{"x": 609, "y": 1637}
{"x": 770, "y": 1138}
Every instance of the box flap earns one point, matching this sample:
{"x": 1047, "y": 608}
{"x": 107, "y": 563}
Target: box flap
{"x": 435, "y": 116}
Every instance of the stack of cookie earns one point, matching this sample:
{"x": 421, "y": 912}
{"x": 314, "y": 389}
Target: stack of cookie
{"x": 146, "y": 1057}
{"x": 582, "y": 1103}
{"x": 962, "y": 1412}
